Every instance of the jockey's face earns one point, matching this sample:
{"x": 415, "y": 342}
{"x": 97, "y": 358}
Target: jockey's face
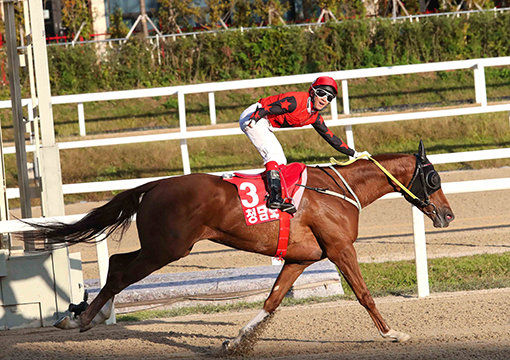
{"x": 319, "y": 103}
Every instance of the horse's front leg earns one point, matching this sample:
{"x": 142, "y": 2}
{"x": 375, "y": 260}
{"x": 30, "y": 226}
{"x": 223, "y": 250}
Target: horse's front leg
{"x": 247, "y": 335}
{"x": 346, "y": 260}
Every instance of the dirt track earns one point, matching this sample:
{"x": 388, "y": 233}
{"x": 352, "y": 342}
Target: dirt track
{"x": 474, "y": 325}
{"x": 471, "y": 325}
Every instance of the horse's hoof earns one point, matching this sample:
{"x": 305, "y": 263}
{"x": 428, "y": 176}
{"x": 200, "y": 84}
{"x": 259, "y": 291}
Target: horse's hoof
{"x": 62, "y": 323}
{"x": 87, "y": 327}
{"x": 227, "y": 346}
{"x": 396, "y": 336}
{"x": 66, "y": 323}
{"x": 231, "y": 347}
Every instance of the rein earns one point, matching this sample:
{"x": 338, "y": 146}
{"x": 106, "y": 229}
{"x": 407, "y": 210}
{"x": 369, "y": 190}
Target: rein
{"x": 383, "y": 169}
{"x": 414, "y": 200}
{"x": 408, "y": 194}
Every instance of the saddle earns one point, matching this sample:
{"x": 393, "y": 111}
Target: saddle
{"x": 253, "y": 193}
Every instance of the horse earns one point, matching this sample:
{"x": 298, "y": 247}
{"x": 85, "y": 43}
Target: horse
{"x": 173, "y": 214}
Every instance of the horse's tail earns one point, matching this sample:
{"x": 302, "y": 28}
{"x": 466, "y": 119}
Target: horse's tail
{"x": 115, "y": 214}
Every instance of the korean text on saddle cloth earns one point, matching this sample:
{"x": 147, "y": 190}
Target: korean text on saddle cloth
{"x": 252, "y": 193}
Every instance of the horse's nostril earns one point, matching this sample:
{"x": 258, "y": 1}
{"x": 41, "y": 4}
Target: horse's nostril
{"x": 449, "y": 217}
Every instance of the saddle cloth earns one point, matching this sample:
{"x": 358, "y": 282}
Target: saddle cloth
{"x": 252, "y": 192}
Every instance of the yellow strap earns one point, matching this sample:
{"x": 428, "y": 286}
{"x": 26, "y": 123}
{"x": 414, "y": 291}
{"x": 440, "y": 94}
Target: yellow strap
{"x": 383, "y": 169}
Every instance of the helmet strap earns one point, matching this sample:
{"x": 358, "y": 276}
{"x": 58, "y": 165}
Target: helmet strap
{"x": 312, "y": 101}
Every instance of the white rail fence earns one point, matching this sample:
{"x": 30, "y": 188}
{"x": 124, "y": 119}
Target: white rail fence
{"x": 418, "y": 217}
{"x": 418, "y": 226}
{"x": 346, "y": 119}
{"x": 478, "y": 66}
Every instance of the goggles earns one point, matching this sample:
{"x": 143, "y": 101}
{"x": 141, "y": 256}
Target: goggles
{"x": 323, "y": 93}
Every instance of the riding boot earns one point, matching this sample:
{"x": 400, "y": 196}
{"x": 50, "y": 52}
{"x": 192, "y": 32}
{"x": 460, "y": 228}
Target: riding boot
{"x": 275, "y": 200}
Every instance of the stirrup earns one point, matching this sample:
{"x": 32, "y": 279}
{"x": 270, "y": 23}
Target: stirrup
{"x": 283, "y": 206}
{"x": 288, "y": 208}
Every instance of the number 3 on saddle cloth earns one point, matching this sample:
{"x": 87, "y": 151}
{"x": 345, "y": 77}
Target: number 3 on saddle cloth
{"x": 252, "y": 193}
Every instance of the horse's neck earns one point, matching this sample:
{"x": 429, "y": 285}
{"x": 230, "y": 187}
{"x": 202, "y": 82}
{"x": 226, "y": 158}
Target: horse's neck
{"x": 370, "y": 183}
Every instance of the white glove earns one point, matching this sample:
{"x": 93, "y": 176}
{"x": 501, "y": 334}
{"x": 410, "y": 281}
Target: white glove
{"x": 364, "y": 154}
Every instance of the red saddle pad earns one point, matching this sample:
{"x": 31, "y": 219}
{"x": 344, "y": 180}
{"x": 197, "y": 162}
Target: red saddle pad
{"x": 252, "y": 192}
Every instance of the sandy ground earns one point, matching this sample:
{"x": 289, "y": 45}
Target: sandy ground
{"x": 472, "y": 325}
{"x": 462, "y": 325}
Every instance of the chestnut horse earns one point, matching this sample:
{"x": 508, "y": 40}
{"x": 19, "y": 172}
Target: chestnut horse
{"x": 175, "y": 213}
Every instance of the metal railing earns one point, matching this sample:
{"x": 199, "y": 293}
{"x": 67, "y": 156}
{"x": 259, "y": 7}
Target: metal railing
{"x": 175, "y": 36}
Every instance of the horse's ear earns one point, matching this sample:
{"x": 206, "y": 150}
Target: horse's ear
{"x": 421, "y": 151}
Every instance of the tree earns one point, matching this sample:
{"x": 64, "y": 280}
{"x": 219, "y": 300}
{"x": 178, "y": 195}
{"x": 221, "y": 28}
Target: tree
{"x": 348, "y": 9}
{"x": 243, "y": 13}
{"x": 219, "y": 11}
{"x": 173, "y": 12}
{"x": 76, "y": 17}
{"x": 118, "y": 28}
{"x": 270, "y": 10}
{"x": 143, "y": 14}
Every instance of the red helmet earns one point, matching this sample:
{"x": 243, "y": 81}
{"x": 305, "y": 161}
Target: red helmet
{"x": 325, "y": 82}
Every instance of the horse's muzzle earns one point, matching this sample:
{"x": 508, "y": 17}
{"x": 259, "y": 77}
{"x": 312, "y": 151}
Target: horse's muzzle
{"x": 443, "y": 217}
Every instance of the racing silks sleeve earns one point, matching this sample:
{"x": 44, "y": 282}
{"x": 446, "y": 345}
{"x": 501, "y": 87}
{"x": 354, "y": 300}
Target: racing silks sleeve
{"x": 282, "y": 106}
{"x": 331, "y": 138}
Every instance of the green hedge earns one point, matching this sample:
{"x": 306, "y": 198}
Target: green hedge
{"x": 277, "y": 51}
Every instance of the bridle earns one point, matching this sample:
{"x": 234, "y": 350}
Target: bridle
{"x": 425, "y": 182}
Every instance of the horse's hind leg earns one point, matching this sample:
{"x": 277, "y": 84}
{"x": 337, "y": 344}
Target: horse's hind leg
{"x": 289, "y": 273}
{"x": 120, "y": 277}
{"x": 117, "y": 262}
{"x": 347, "y": 262}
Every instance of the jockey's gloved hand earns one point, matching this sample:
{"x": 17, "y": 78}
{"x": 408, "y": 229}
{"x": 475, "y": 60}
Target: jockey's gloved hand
{"x": 364, "y": 154}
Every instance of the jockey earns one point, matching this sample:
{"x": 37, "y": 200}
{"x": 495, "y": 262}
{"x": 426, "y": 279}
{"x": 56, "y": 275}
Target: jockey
{"x": 292, "y": 109}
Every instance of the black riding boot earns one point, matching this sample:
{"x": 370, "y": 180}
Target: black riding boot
{"x": 275, "y": 200}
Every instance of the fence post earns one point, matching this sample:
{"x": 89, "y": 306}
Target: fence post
{"x": 347, "y": 110}
{"x": 345, "y": 97}
{"x": 212, "y": 108}
{"x": 81, "y": 119}
{"x": 420, "y": 253}
{"x": 102, "y": 263}
{"x": 182, "y": 124}
{"x": 480, "y": 89}
{"x": 334, "y": 109}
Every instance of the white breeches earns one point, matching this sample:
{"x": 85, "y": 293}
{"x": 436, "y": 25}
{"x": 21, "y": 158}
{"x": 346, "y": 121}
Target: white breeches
{"x": 261, "y": 135}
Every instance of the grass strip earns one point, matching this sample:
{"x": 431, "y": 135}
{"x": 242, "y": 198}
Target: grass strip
{"x": 396, "y": 278}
